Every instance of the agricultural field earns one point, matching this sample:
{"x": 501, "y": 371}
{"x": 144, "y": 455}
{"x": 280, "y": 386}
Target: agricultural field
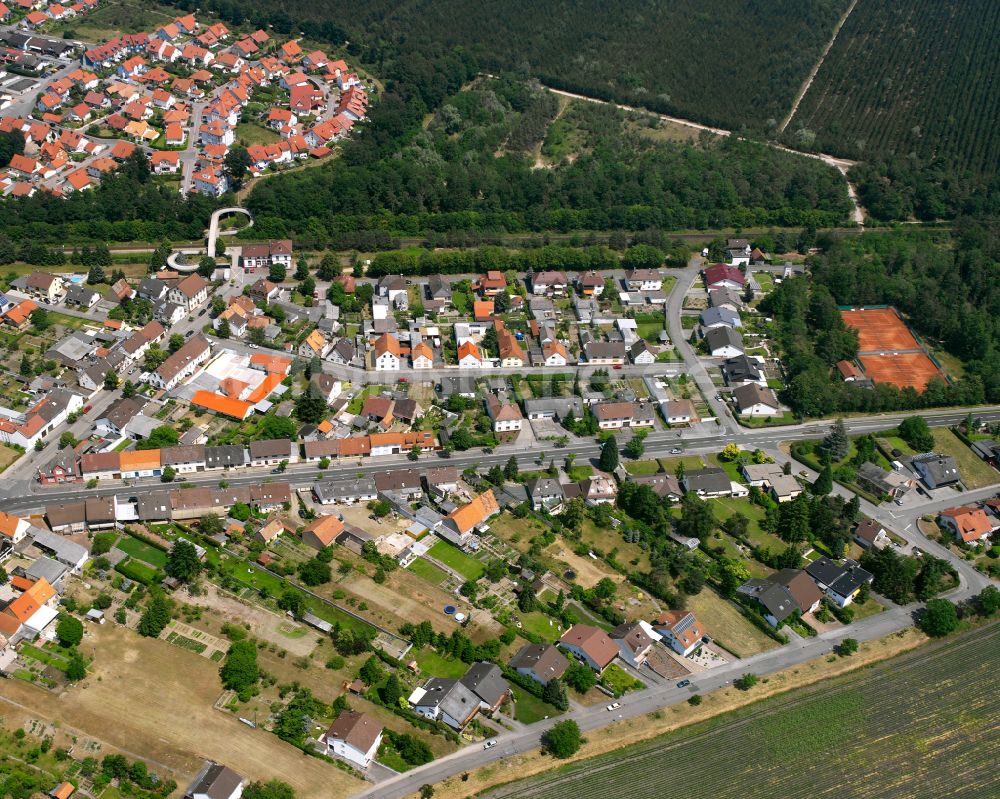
{"x": 906, "y": 727}
{"x": 178, "y": 726}
{"x": 909, "y": 76}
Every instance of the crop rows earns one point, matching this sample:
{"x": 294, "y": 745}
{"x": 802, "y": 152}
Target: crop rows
{"x": 918, "y": 726}
{"x": 911, "y": 76}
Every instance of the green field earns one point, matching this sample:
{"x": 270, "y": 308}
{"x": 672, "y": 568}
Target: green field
{"x": 469, "y": 568}
{"x": 248, "y": 133}
{"x": 642, "y": 467}
{"x": 142, "y": 551}
{"x": 920, "y": 726}
{"x": 137, "y": 570}
{"x": 428, "y": 571}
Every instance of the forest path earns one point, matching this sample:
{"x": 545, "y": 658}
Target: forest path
{"x": 812, "y": 73}
{"x": 840, "y": 164}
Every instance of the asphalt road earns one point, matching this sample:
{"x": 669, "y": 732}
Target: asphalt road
{"x": 24, "y": 495}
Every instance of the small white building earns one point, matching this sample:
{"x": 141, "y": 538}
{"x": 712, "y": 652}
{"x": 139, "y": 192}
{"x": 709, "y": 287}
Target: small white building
{"x": 354, "y": 737}
{"x": 215, "y": 781}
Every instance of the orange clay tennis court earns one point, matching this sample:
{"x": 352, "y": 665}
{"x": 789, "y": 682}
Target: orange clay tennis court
{"x": 879, "y": 330}
{"x": 902, "y": 369}
{"x": 887, "y": 350}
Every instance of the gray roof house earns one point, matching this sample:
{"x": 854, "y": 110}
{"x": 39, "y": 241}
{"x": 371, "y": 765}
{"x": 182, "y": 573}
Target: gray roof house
{"x": 841, "y": 583}
{"x": 545, "y": 493}
{"x": 708, "y": 483}
{"x": 724, "y": 342}
{"x": 215, "y": 781}
{"x": 540, "y": 662}
{"x": 718, "y": 316}
{"x": 553, "y": 407}
{"x": 224, "y": 457}
{"x": 347, "y": 491}
{"x": 936, "y": 470}
{"x": 742, "y": 369}
{"x": 486, "y": 681}
{"x": 445, "y": 700}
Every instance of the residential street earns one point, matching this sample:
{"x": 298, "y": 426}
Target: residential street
{"x": 692, "y": 363}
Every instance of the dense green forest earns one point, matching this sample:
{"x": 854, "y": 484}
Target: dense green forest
{"x": 736, "y": 63}
{"x": 473, "y": 167}
{"x": 127, "y": 206}
{"x": 948, "y": 287}
{"x": 910, "y": 87}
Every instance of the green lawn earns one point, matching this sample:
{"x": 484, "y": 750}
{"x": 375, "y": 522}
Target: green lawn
{"x": 642, "y": 467}
{"x": 142, "y": 551}
{"x": 691, "y": 463}
{"x": 895, "y": 442}
{"x": 250, "y": 133}
{"x": 538, "y": 623}
{"x": 431, "y": 662}
{"x": 428, "y": 571}
{"x": 768, "y": 421}
{"x": 649, "y": 331}
{"x": 864, "y": 610}
{"x": 732, "y": 468}
{"x": 137, "y": 570}
{"x": 618, "y": 681}
{"x": 529, "y": 708}
{"x": 578, "y": 473}
{"x": 389, "y": 757}
{"x": 469, "y": 568}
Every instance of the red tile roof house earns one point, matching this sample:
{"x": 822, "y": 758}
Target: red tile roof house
{"x": 723, "y": 276}
{"x": 969, "y": 524}
{"x": 590, "y": 645}
{"x": 681, "y": 630}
